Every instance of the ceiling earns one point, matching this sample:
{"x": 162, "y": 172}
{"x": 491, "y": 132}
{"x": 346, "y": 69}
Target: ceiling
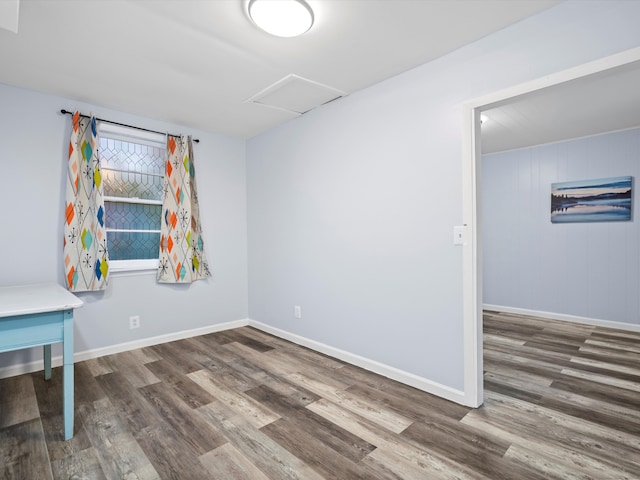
{"x": 204, "y": 64}
{"x": 603, "y": 102}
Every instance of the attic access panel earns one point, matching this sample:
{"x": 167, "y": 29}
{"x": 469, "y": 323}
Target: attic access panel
{"x": 296, "y": 94}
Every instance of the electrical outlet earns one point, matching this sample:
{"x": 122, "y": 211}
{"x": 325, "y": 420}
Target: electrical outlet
{"x": 134, "y": 322}
{"x": 297, "y": 311}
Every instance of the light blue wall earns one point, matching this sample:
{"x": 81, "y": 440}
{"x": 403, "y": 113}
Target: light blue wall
{"x": 351, "y": 207}
{"x": 35, "y": 139}
{"x": 585, "y": 269}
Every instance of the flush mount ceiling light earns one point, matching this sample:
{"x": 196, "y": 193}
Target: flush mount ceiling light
{"x": 283, "y": 18}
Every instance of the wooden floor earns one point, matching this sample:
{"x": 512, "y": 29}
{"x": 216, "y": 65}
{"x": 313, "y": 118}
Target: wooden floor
{"x": 562, "y": 402}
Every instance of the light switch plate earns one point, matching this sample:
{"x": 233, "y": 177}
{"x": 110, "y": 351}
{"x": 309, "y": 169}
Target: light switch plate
{"x": 458, "y": 235}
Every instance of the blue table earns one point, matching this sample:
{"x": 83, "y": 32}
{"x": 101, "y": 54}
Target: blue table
{"x": 39, "y": 315}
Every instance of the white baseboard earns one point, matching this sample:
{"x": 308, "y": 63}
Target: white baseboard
{"x": 371, "y": 365}
{"x": 564, "y": 317}
{"x": 56, "y": 361}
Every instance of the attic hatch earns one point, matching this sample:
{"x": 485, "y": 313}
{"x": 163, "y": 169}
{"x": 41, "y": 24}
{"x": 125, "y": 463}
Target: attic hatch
{"x": 296, "y": 95}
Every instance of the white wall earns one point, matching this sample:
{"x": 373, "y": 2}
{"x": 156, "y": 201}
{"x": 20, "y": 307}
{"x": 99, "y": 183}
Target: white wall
{"x": 351, "y": 206}
{"x": 34, "y": 142}
{"x": 588, "y": 270}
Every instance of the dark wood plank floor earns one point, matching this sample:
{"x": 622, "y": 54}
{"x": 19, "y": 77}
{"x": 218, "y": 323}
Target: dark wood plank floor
{"x": 562, "y": 402}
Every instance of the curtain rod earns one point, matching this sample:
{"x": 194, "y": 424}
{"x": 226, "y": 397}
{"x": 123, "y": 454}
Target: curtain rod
{"x": 67, "y": 112}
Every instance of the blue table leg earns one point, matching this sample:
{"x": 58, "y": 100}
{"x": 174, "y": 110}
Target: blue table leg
{"x": 46, "y": 350}
{"x": 67, "y": 374}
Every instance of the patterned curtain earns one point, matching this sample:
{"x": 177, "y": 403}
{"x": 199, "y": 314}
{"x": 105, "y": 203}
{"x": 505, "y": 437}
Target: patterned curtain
{"x": 182, "y": 256}
{"x": 86, "y": 259}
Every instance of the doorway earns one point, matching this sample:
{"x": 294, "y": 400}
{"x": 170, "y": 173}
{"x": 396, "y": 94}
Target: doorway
{"x": 472, "y": 184}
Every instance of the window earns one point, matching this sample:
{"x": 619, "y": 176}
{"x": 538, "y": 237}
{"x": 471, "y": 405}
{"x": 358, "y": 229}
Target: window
{"x": 133, "y": 165}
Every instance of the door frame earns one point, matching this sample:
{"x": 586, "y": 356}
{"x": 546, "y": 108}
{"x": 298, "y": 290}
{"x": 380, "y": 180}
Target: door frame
{"x": 471, "y": 206}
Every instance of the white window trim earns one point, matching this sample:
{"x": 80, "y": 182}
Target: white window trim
{"x": 137, "y": 266}
{"x": 129, "y": 134}
{"x": 140, "y": 201}
{"x": 133, "y": 266}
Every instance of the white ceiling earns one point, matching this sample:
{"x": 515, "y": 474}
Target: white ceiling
{"x": 604, "y": 102}
{"x": 197, "y": 63}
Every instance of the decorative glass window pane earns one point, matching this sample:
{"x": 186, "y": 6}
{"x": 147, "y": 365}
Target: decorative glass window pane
{"x": 132, "y": 216}
{"x": 132, "y": 170}
{"x": 133, "y": 245}
{"x": 133, "y": 175}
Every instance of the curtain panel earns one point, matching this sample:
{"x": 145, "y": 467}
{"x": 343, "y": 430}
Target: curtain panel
{"x": 182, "y": 256}
{"x": 86, "y": 260}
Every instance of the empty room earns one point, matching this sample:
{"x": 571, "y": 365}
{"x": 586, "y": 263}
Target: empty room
{"x": 397, "y": 240}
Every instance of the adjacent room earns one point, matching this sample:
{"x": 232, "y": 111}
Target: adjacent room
{"x": 330, "y": 252}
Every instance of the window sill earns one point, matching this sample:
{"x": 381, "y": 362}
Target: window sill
{"x": 133, "y": 267}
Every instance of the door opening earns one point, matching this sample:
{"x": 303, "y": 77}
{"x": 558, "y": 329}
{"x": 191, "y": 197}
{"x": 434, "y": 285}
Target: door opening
{"x": 472, "y": 185}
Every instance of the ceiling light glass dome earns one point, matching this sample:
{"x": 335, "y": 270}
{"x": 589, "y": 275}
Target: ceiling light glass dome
{"x": 283, "y": 18}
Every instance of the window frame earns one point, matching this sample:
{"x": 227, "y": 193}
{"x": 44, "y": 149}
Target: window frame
{"x": 132, "y": 135}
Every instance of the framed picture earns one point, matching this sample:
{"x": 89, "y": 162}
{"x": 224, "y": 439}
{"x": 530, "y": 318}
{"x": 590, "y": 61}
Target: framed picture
{"x": 602, "y": 200}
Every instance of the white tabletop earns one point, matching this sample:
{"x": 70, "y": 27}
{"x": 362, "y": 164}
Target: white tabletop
{"x": 38, "y": 298}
